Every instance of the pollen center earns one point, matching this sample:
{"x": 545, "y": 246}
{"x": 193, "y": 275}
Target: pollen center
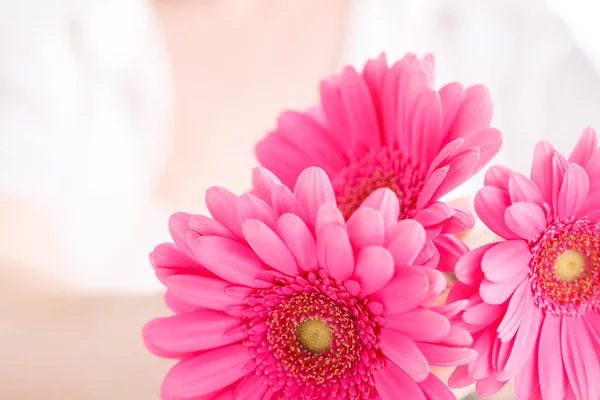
{"x": 314, "y": 335}
{"x": 570, "y": 265}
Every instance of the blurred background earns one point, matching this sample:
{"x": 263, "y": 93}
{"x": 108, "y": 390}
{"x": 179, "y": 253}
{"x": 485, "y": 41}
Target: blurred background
{"x": 116, "y": 113}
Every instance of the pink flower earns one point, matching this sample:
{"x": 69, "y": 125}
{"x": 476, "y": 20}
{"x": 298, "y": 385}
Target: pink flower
{"x": 534, "y": 298}
{"x": 278, "y": 297}
{"x": 387, "y": 127}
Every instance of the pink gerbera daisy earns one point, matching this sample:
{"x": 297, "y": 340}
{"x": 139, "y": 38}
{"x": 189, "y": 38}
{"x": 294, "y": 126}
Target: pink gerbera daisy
{"x": 534, "y": 298}
{"x": 278, "y": 297}
{"x": 388, "y": 127}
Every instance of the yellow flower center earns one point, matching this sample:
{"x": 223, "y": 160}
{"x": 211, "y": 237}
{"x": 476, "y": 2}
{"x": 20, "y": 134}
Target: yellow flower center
{"x": 570, "y": 265}
{"x": 314, "y": 335}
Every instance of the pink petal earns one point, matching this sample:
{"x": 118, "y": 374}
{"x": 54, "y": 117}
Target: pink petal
{"x": 405, "y": 240}
{"x": 404, "y": 292}
{"x": 489, "y": 386}
{"x": 435, "y": 389}
{"x": 329, "y": 213}
{"x": 581, "y": 364}
{"x": 468, "y": 267}
{"x": 251, "y": 388}
{"x": 573, "y": 192}
{"x": 461, "y": 168}
{"x": 284, "y": 202}
{"x": 403, "y": 352}
{"x": 488, "y": 141}
{"x": 446, "y": 356}
{"x": 522, "y": 189}
{"x": 392, "y": 383}
{"x": 482, "y": 314}
{"x": 251, "y": 207}
{"x": 386, "y": 202}
{"x": 460, "y": 378}
{"x": 205, "y": 292}
{"x": 498, "y": 176}
{"x": 263, "y": 183}
{"x": 436, "y": 213}
{"x": 451, "y": 250}
{"x": 559, "y": 167}
{"x": 505, "y": 260}
{"x": 450, "y": 309}
{"x": 269, "y": 247}
{"x": 426, "y": 121}
{"x": 552, "y": 377}
{"x": 168, "y": 259}
{"x": 365, "y": 228}
{"x": 222, "y": 206}
{"x": 437, "y": 285}
{"x": 460, "y": 222}
{"x": 527, "y": 380}
{"x": 451, "y": 96}
{"x": 334, "y": 251}
{"x": 541, "y": 169}
{"x": 525, "y": 339}
{"x": 490, "y": 205}
{"x": 206, "y": 226}
{"x": 585, "y": 148}
{"x": 374, "y": 269}
{"x": 499, "y": 292}
{"x": 312, "y": 190}
{"x": 228, "y": 259}
{"x": 207, "y": 372}
{"x": 422, "y": 325}
{"x": 458, "y": 337}
{"x": 192, "y": 332}
{"x": 481, "y": 367}
{"x": 432, "y": 183}
{"x": 335, "y": 113}
{"x": 514, "y": 313}
{"x": 445, "y": 154}
{"x": 179, "y": 225}
{"x": 527, "y": 220}
{"x": 475, "y": 113}
{"x": 299, "y": 241}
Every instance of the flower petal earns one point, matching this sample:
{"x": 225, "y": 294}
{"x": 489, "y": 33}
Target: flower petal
{"x": 334, "y": 251}
{"x": 299, "y": 240}
{"x": 553, "y": 383}
{"x": 312, "y": 190}
{"x": 505, "y": 260}
{"x": 374, "y": 269}
{"x": 404, "y": 292}
{"x": 522, "y": 189}
{"x": 269, "y": 247}
{"x": 205, "y": 292}
{"x": 251, "y": 387}
{"x": 263, "y": 183}
{"x": 514, "y": 313}
{"x": 251, "y": 207}
{"x": 366, "y": 228}
{"x": 422, "y": 325}
{"x": 525, "y": 339}
{"x": 490, "y": 205}
{"x": 573, "y": 192}
{"x": 435, "y": 389}
{"x": 403, "y": 352}
{"x": 222, "y": 206}
{"x": 446, "y": 356}
{"x": 468, "y": 267}
{"x": 207, "y": 372}
{"x": 450, "y": 250}
{"x": 499, "y": 292}
{"x": 585, "y": 148}
{"x": 581, "y": 364}
{"x": 527, "y": 220}
{"x": 392, "y": 383}
{"x": 284, "y": 202}
{"x": 386, "y": 202}
{"x": 405, "y": 240}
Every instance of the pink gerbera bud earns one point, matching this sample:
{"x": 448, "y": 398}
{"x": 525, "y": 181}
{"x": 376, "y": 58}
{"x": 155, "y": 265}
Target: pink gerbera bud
{"x": 387, "y": 127}
{"x": 279, "y": 297}
{"x": 534, "y": 298}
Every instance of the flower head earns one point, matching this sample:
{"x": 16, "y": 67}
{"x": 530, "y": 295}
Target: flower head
{"x": 534, "y": 298}
{"x": 386, "y": 127}
{"x": 279, "y": 297}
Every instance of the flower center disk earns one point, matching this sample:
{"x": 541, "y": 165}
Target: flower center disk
{"x": 381, "y": 168}
{"x": 565, "y": 268}
{"x": 314, "y": 335}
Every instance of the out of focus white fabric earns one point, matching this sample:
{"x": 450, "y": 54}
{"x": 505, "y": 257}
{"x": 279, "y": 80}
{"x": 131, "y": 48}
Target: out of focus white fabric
{"x": 84, "y": 105}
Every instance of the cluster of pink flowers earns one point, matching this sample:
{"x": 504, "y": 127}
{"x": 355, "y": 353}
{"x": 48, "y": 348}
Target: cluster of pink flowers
{"x": 328, "y": 280}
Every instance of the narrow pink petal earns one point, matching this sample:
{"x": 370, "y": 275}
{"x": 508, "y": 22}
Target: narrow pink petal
{"x": 526, "y": 220}
{"x": 525, "y": 339}
{"x": 489, "y": 386}
{"x": 386, "y": 202}
{"x": 429, "y": 255}
{"x": 498, "y": 176}
{"x": 514, "y": 313}
{"x": 299, "y": 240}
{"x": 559, "y": 167}
{"x": 392, "y": 383}
{"x": 403, "y": 352}
{"x": 573, "y": 192}
{"x": 329, "y": 213}
{"x": 251, "y": 388}
{"x": 481, "y": 367}
{"x": 585, "y": 148}
{"x": 222, "y": 206}
{"x": 404, "y": 292}
{"x": 312, "y": 190}
{"x": 435, "y": 389}
{"x": 432, "y": 183}
{"x": 284, "y": 202}
{"x": 421, "y": 325}
{"x": 450, "y": 309}
{"x": 451, "y": 96}
{"x": 499, "y": 292}
{"x": 251, "y": 207}
{"x": 438, "y": 283}
{"x": 581, "y": 364}
{"x": 462, "y": 167}
{"x": 502, "y": 351}
{"x": 527, "y": 381}
{"x": 553, "y": 383}
{"x": 435, "y": 214}
{"x": 463, "y": 292}
{"x": 426, "y": 121}
{"x": 446, "y": 153}
{"x": 475, "y": 113}
{"x": 488, "y": 141}
{"x": 282, "y": 158}
{"x": 468, "y": 267}
{"x": 450, "y": 250}
{"x": 334, "y": 110}
{"x": 374, "y": 269}
{"x": 228, "y": 259}
{"x": 206, "y": 226}
{"x": 365, "y": 228}
{"x": 168, "y": 259}
{"x": 505, "y": 260}
{"x": 192, "y": 332}
{"x": 179, "y": 225}
{"x": 269, "y": 247}
{"x": 263, "y": 183}
{"x": 460, "y": 378}
{"x": 405, "y": 240}
{"x": 334, "y": 251}
{"x": 207, "y": 372}
{"x": 482, "y": 314}
{"x": 460, "y": 222}
{"x": 446, "y": 356}
{"x": 541, "y": 169}
{"x": 205, "y": 292}
{"x": 458, "y": 337}
{"x": 522, "y": 189}
{"x": 491, "y": 204}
